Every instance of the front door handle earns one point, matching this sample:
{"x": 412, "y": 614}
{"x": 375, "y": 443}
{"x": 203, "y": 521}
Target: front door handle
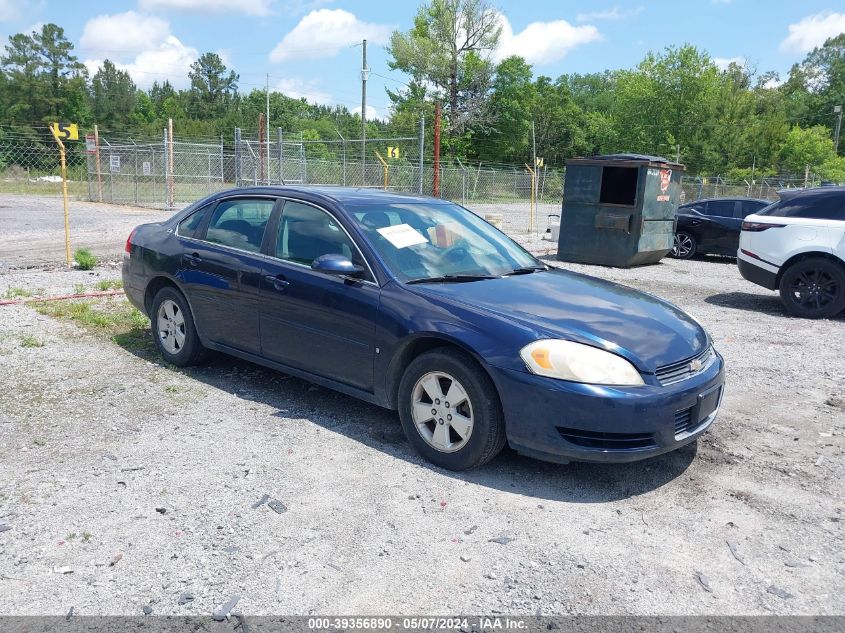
{"x": 277, "y": 282}
{"x": 193, "y": 259}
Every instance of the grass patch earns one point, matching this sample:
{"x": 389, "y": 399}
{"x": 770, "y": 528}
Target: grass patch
{"x": 109, "y": 284}
{"x": 31, "y": 341}
{"x": 114, "y": 316}
{"x": 84, "y": 259}
{"x": 78, "y": 289}
{"x": 21, "y": 293}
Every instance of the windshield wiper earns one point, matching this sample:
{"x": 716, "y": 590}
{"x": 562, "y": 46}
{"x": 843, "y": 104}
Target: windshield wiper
{"x": 526, "y": 270}
{"x": 450, "y": 279}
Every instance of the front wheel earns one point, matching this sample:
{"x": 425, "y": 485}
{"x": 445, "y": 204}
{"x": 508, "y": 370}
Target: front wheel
{"x": 684, "y": 246}
{"x": 813, "y": 289}
{"x": 173, "y": 329}
{"x": 450, "y": 410}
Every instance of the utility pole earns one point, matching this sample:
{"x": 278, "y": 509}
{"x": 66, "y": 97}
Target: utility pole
{"x": 837, "y": 110}
{"x": 364, "y": 75}
{"x": 678, "y": 153}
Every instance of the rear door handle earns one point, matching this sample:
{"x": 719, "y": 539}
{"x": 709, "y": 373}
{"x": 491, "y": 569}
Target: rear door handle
{"x": 193, "y": 259}
{"x": 277, "y": 282}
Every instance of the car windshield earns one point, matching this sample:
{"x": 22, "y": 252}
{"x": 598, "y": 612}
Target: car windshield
{"x": 442, "y": 242}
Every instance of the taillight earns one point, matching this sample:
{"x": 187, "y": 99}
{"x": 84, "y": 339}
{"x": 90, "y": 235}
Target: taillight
{"x": 756, "y": 227}
{"x": 128, "y": 247}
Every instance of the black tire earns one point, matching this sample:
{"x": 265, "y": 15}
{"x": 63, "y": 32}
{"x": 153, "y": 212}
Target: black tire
{"x": 487, "y": 437}
{"x": 684, "y": 245}
{"x": 191, "y": 350}
{"x": 813, "y": 288}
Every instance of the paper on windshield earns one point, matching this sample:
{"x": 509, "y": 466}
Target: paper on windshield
{"x": 402, "y": 235}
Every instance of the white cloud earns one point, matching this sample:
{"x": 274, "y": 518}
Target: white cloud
{"x": 170, "y": 60}
{"x": 298, "y": 7}
{"x": 250, "y": 7}
{"x": 139, "y": 43}
{"x": 307, "y": 89}
{"x": 812, "y": 31}
{"x": 10, "y": 10}
{"x": 324, "y": 32}
{"x": 616, "y": 13}
{"x": 372, "y": 113}
{"x": 543, "y": 42}
{"x": 121, "y": 35}
{"x": 724, "y": 62}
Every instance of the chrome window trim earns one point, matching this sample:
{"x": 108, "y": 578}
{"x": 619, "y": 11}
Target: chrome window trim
{"x": 272, "y": 258}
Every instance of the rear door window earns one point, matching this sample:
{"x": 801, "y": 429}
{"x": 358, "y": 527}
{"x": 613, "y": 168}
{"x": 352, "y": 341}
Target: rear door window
{"x": 240, "y": 223}
{"x": 747, "y": 207}
{"x": 721, "y": 208}
{"x": 189, "y": 227}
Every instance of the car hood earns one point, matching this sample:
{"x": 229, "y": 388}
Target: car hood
{"x": 648, "y": 331}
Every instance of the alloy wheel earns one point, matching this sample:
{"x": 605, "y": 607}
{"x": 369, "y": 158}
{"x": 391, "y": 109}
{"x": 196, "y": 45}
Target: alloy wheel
{"x": 682, "y": 246}
{"x": 442, "y": 411}
{"x": 170, "y": 326}
{"x": 814, "y": 289}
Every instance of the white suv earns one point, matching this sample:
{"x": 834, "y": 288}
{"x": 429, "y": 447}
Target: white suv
{"x": 797, "y": 246}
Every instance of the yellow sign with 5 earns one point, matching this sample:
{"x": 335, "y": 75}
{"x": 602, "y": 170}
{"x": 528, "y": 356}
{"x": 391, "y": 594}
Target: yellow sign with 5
{"x": 65, "y": 131}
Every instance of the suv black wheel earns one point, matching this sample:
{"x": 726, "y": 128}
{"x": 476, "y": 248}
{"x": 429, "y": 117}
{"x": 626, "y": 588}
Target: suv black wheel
{"x": 813, "y": 288}
{"x": 450, "y": 410}
{"x": 684, "y": 245}
{"x": 174, "y": 332}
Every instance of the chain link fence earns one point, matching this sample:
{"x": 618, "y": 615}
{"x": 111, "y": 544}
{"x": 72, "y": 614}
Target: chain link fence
{"x": 169, "y": 174}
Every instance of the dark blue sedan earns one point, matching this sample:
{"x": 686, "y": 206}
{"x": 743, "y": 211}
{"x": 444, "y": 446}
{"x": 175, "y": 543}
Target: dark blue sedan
{"x": 416, "y": 304}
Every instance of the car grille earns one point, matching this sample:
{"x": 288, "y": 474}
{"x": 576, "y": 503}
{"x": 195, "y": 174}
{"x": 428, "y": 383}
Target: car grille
{"x": 607, "y": 441}
{"x": 676, "y": 372}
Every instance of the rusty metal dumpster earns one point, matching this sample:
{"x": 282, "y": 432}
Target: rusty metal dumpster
{"x": 618, "y": 210}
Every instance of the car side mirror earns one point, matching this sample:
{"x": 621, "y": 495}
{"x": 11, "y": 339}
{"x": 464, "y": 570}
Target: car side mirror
{"x": 340, "y": 265}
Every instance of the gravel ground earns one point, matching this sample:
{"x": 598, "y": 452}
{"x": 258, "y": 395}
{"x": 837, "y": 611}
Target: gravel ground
{"x": 126, "y": 484}
{"x": 33, "y": 231}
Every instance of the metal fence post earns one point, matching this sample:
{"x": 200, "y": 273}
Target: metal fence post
{"x": 237, "y": 157}
{"x": 135, "y": 152}
{"x": 422, "y": 150}
{"x": 303, "y": 166}
{"x": 279, "y": 133}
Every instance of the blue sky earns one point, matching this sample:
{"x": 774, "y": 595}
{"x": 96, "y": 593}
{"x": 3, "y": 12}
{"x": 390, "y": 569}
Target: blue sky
{"x": 308, "y": 46}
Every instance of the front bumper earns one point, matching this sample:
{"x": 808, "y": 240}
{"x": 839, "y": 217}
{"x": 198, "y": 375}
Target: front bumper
{"x": 561, "y": 421}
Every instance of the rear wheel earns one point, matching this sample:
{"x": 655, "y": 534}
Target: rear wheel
{"x": 684, "y": 245}
{"x": 173, "y": 329}
{"x": 813, "y": 289}
{"x": 450, "y": 410}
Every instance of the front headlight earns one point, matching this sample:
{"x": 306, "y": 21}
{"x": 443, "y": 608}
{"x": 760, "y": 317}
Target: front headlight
{"x": 579, "y": 363}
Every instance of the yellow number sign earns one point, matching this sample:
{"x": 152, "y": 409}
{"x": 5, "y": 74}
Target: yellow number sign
{"x": 393, "y": 152}
{"x": 65, "y": 131}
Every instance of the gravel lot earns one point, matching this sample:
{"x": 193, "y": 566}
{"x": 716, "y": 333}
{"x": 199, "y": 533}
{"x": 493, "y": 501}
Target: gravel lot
{"x": 126, "y": 484}
{"x": 34, "y": 231}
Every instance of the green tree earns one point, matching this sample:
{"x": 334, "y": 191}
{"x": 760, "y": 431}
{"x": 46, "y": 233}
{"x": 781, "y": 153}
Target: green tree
{"x": 808, "y": 148}
{"x": 64, "y": 75}
{"x": 214, "y": 88}
{"x": 113, "y": 95}
{"x": 449, "y": 48}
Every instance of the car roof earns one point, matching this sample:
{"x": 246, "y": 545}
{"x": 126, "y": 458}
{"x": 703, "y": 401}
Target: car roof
{"x": 741, "y": 199}
{"x": 351, "y": 196}
{"x": 788, "y": 194}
